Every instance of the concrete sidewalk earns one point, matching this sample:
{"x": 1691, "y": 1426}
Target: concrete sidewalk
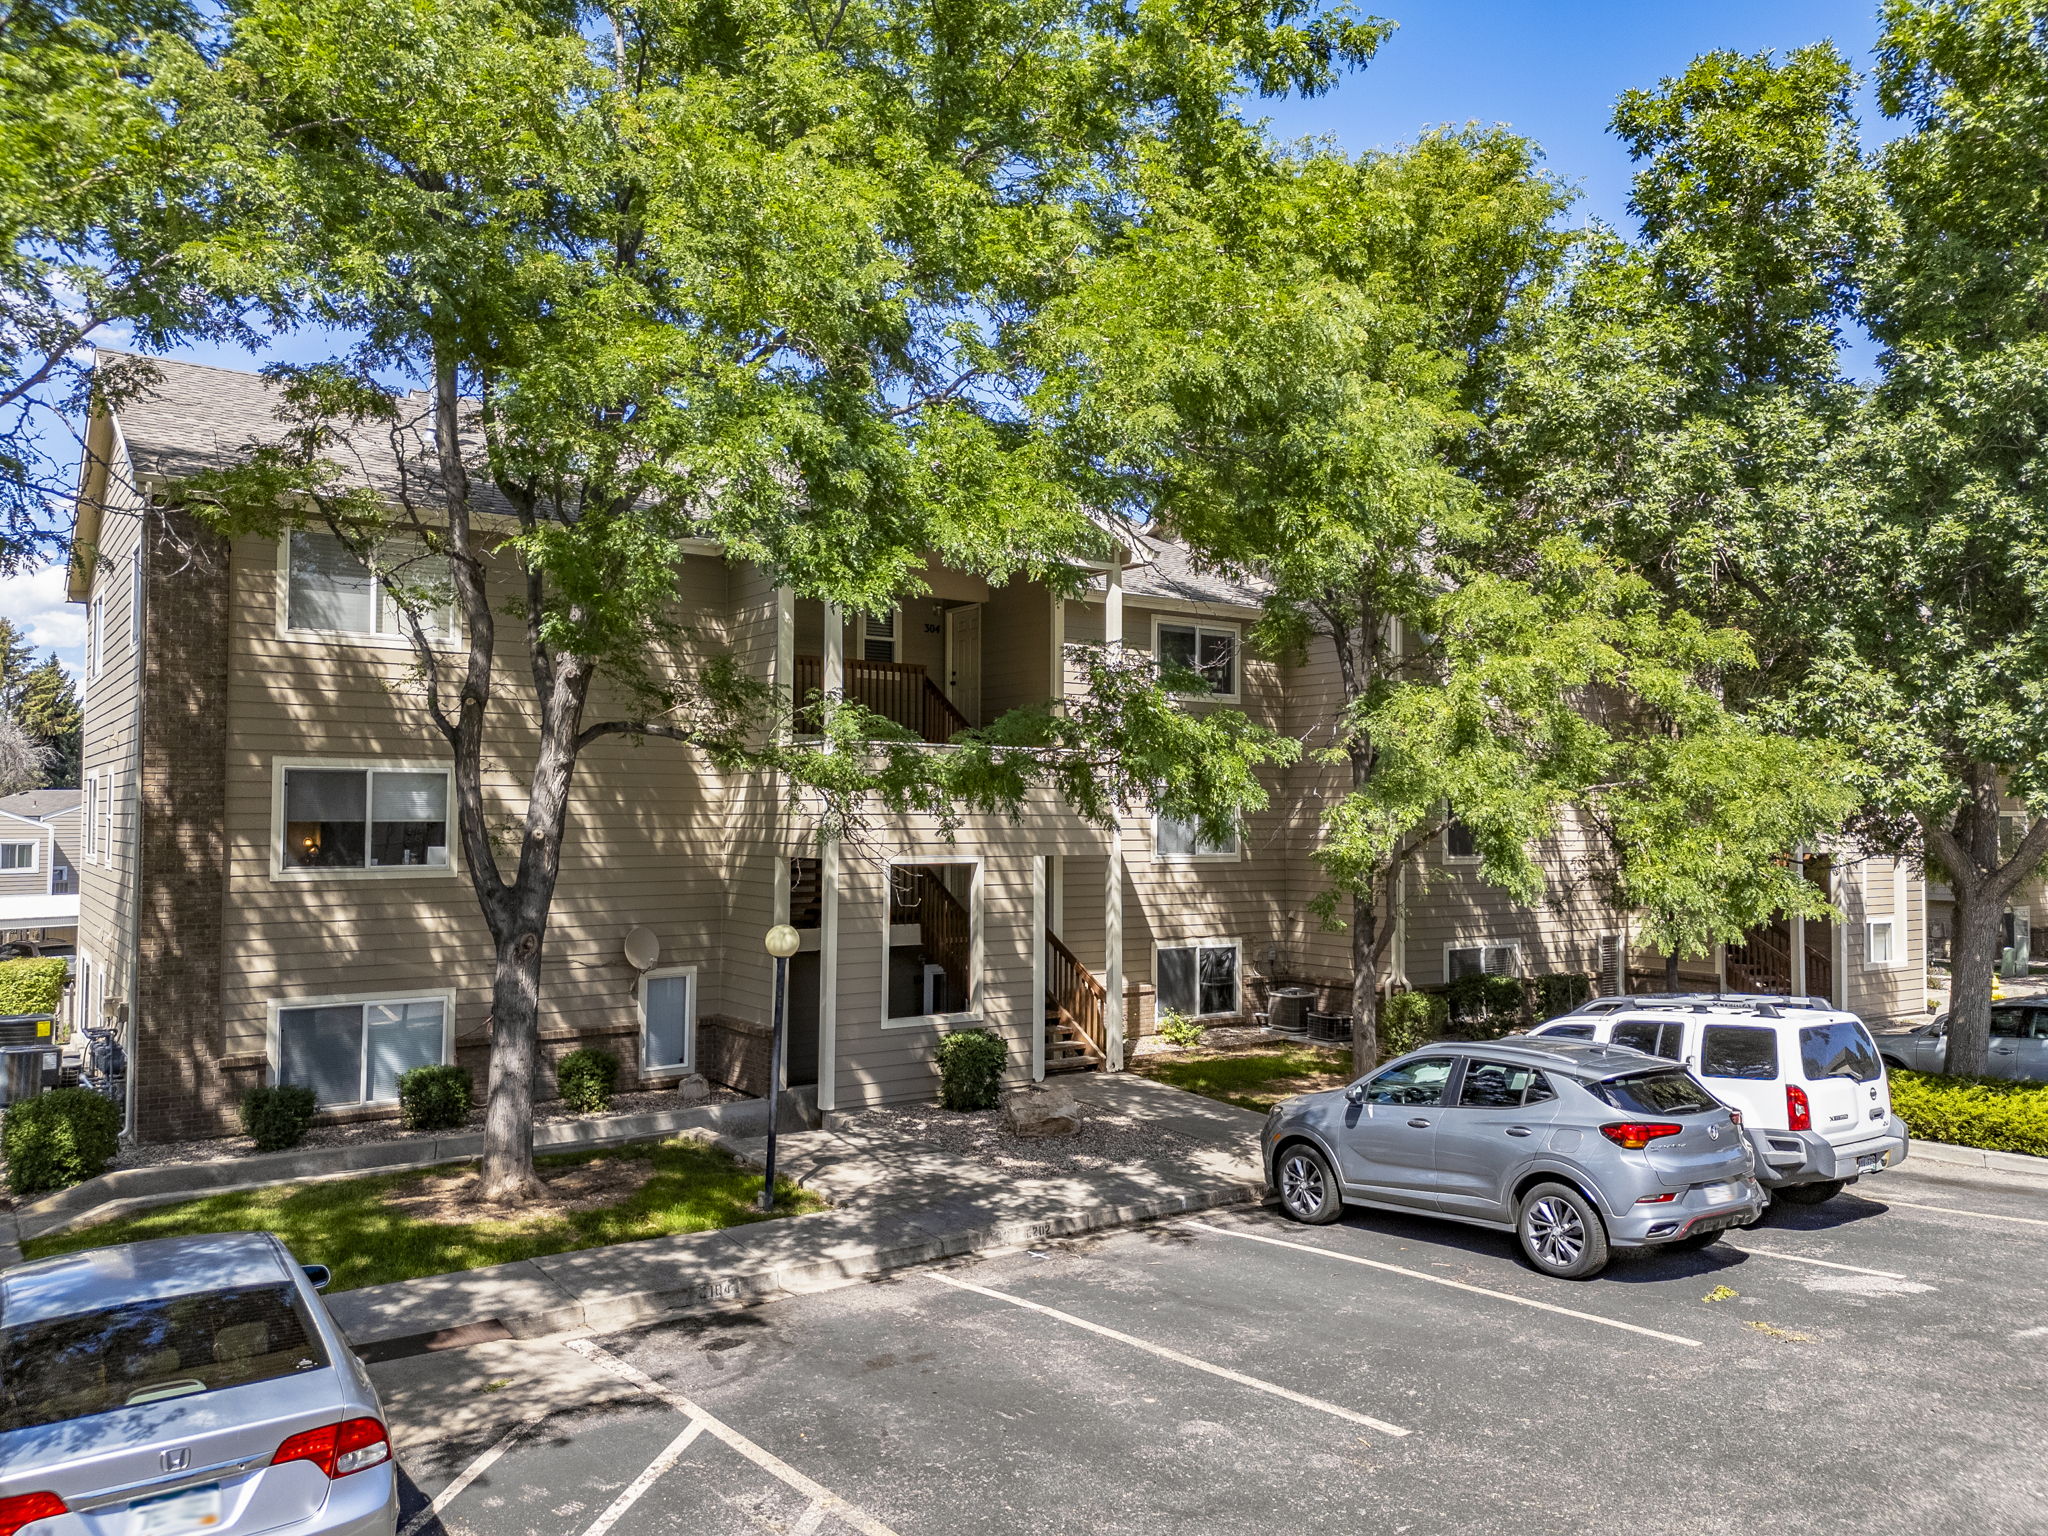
{"x": 897, "y": 1201}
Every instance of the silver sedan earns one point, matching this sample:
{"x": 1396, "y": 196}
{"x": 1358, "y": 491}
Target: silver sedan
{"x": 180, "y": 1387}
{"x": 1575, "y": 1147}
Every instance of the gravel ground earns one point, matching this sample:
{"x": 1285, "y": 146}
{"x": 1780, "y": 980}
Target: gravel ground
{"x": 158, "y": 1153}
{"x": 1105, "y": 1140}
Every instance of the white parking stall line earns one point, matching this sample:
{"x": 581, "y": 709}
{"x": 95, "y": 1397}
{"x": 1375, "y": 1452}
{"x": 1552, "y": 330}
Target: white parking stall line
{"x": 1949, "y": 1210}
{"x": 1456, "y": 1285}
{"x": 468, "y": 1475}
{"x": 1800, "y": 1258}
{"x": 766, "y": 1460}
{"x": 1335, "y": 1410}
{"x": 630, "y": 1494}
{"x": 808, "y": 1522}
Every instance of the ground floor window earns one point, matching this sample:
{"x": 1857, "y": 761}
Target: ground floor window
{"x": 1491, "y": 959}
{"x": 1879, "y": 941}
{"x": 668, "y": 1020}
{"x": 1199, "y": 980}
{"x": 354, "y": 1052}
{"x": 933, "y": 910}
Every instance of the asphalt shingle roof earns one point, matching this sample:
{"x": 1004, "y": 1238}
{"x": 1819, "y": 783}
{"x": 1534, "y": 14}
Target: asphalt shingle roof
{"x": 40, "y": 804}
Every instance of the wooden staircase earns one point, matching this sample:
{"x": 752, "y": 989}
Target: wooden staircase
{"x": 899, "y": 691}
{"x": 1076, "y": 1031}
{"x": 944, "y": 930}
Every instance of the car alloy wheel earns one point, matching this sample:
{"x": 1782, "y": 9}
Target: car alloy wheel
{"x": 1556, "y": 1232}
{"x": 1302, "y": 1187}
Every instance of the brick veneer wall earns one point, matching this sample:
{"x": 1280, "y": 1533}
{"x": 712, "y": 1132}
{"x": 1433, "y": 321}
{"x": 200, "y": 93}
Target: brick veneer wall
{"x": 184, "y": 1087}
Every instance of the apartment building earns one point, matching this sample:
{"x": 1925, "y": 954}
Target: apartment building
{"x": 272, "y": 891}
{"x": 39, "y": 831}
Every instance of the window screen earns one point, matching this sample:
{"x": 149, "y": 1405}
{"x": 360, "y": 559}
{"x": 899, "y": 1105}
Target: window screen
{"x": 1493, "y": 959}
{"x": 397, "y": 1038}
{"x": 357, "y": 818}
{"x": 1199, "y": 980}
{"x": 665, "y": 1024}
{"x": 1218, "y": 974}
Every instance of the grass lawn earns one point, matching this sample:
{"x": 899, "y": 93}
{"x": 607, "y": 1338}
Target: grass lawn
{"x": 364, "y": 1231}
{"x": 1250, "y": 1079}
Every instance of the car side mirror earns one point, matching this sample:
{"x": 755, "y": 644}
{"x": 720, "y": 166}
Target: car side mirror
{"x": 1355, "y": 1094}
{"x": 320, "y": 1275}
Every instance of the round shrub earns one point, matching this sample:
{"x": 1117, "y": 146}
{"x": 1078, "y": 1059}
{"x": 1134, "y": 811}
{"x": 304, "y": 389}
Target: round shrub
{"x": 1409, "y": 1020}
{"x": 971, "y": 1068}
{"x": 434, "y": 1098}
{"x": 586, "y": 1078}
{"x": 277, "y": 1117}
{"x": 1179, "y": 1029}
{"x": 59, "y": 1138}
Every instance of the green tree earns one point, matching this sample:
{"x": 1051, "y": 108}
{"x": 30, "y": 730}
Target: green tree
{"x": 1288, "y": 366}
{"x": 676, "y": 272}
{"x": 49, "y": 713}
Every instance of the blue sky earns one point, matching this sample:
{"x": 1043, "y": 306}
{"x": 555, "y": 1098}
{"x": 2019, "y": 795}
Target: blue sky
{"x": 1550, "y": 69}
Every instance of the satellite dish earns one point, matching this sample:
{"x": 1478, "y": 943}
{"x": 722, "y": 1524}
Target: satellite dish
{"x": 643, "y": 948}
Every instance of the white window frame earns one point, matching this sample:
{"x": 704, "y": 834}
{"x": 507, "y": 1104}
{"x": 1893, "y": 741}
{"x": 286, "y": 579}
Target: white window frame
{"x": 35, "y": 857}
{"x": 1456, "y": 859}
{"x": 135, "y": 596}
{"x": 279, "y": 870}
{"x": 1198, "y": 945}
{"x": 1200, "y": 627}
{"x": 364, "y": 637}
{"x": 689, "y": 1064}
{"x": 89, "y": 827}
{"x": 861, "y": 635}
{"x": 95, "y": 636}
{"x": 1512, "y": 946}
{"x": 977, "y": 946}
{"x": 273, "y": 1029}
{"x": 1232, "y": 855}
{"x": 1892, "y": 936}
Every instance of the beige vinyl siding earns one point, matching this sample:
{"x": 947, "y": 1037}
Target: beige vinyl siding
{"x": 26, "y": 882}
{"x": 64, "y": 832}
{"x": 1016, "y": 648}
{"x": 1868, "y": 888}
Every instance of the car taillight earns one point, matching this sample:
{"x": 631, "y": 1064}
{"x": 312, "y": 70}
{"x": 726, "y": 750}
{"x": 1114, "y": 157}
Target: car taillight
{"x": 1637, "y": 1134}
{"x": 1666, "y": 1198}
{"x": 1735, "y": 1115}
{"x": 19, "y": 1509}
{"x": 1798, "y": 1113}
{"x": 336, "y": 1449}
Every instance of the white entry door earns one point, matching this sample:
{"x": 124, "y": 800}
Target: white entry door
{"x": 963, "y": 660}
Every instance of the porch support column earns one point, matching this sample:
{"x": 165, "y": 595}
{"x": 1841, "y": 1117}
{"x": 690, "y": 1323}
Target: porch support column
{"x": 1113, "y": 888}
{"x": 834, "y": 685}
{"x": 1796, "y": 929}
{"x": 1036, "y": 1012}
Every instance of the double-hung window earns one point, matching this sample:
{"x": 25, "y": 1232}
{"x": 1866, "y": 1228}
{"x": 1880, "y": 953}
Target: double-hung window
{"x": 1173, "y": 838}
{"x": 1199, "y": 980}
{"x": 95, "y": 637}
{"x": 89, "y": 822}
{"x": 1880, "y": 939}
{"x": 369, "y": 818}
{"x": 1208, "y": 649}
{"x": 1459, "y": 844}
{"x": 1491, "y": 959}
{"x": 353, "y": 1052}
{"x": 330, "y": 589}
{"x": 19, "y": 858}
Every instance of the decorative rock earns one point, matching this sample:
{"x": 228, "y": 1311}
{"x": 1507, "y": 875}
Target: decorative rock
{"x": 1041, "y": 1110}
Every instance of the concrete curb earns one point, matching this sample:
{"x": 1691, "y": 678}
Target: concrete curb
{"x": 2006, "y": 1167}
{"x": 128, "y": 1189}
{"x": 792, "y": 1276}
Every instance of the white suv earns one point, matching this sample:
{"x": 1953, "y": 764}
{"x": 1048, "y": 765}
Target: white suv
{"x": 1807, "y": 1079}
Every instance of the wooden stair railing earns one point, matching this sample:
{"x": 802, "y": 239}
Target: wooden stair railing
{"x": 899, "y": 691}
{"x": 1762, "y": 962}
{"x": 944, "y": 930}
{"x": 1075, "y": 1004}
{"x": 806, "y": 892}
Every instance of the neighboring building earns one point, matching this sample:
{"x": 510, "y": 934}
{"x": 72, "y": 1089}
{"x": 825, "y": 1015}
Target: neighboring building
{"x": 271, "y": 890}
{"x": 39, "y": 830}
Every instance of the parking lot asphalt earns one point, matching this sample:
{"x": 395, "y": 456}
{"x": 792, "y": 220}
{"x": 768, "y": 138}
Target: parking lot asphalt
{"x": 1876, "y": 1364}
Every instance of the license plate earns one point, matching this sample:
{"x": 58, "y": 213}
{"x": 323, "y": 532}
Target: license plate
{"x": 1870, "y": 1162}
{"x": 174, "y": 1514}
{"x": 1720, "y": 1194}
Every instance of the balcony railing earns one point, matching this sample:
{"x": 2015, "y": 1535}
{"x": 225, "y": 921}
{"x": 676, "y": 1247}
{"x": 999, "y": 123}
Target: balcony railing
{"x": 896, "y": 690}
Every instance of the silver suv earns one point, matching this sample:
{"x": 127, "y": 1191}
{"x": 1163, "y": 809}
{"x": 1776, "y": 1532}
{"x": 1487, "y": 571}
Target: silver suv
{"x": 1575, "y": 1147}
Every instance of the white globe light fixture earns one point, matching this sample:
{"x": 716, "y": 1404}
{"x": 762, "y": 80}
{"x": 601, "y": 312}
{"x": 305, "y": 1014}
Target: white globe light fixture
{"x": 783, "y": 941}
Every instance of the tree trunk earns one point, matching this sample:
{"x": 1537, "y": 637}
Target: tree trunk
{"x": 1979, "y": 912}
{"x": 508, "y": 1175}
{"x": 1365, "y": 983}
{"x": 1671, "y": 971}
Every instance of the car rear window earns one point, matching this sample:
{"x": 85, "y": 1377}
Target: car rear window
{"x": 1739, "y": 1050}
{"x": 1841, "y": 1049}
{"x": 1671, "y": 1092}
{"x": 146, "y": 1351}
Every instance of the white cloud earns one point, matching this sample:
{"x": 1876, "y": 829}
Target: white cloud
{"x": 34, "y": 602}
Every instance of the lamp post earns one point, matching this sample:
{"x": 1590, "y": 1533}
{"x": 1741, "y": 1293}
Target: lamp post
{"x": 782, "y": 943}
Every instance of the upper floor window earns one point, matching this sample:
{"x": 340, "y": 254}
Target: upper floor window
{"x": 1459, "y": 842}
{"x": 95, "y": 637}
{"x": 364, "y": 818}
{"x": 329, "y": 589}
{"x": 17, "y": 856}
{"x": 879, "y": 640}
{"x": 1173, "y": 838}
{"x": 1208, "y": 649}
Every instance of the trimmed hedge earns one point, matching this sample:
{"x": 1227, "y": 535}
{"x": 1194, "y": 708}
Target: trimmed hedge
{"x": 586, "y": 1078}
{"x": 1486, "y": 1007}
{"x": 1559, "y": 992}
{"x": 277, "y": 1117}
{"x": 1409, "y": 1020}
{"x": 1997, "y": 1116}
{"x": 971, "y": 1068}
{"x": 32, "y": 986}
{"x": 434, "y": 1098}
{"x": 59, "y": 1138}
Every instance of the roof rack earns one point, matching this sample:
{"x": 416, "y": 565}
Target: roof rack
{"x": 1702, "y": 1002}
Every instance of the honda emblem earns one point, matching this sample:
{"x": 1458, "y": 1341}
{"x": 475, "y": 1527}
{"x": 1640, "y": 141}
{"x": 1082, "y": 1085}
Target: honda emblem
{"x": 178, "y": 1460}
